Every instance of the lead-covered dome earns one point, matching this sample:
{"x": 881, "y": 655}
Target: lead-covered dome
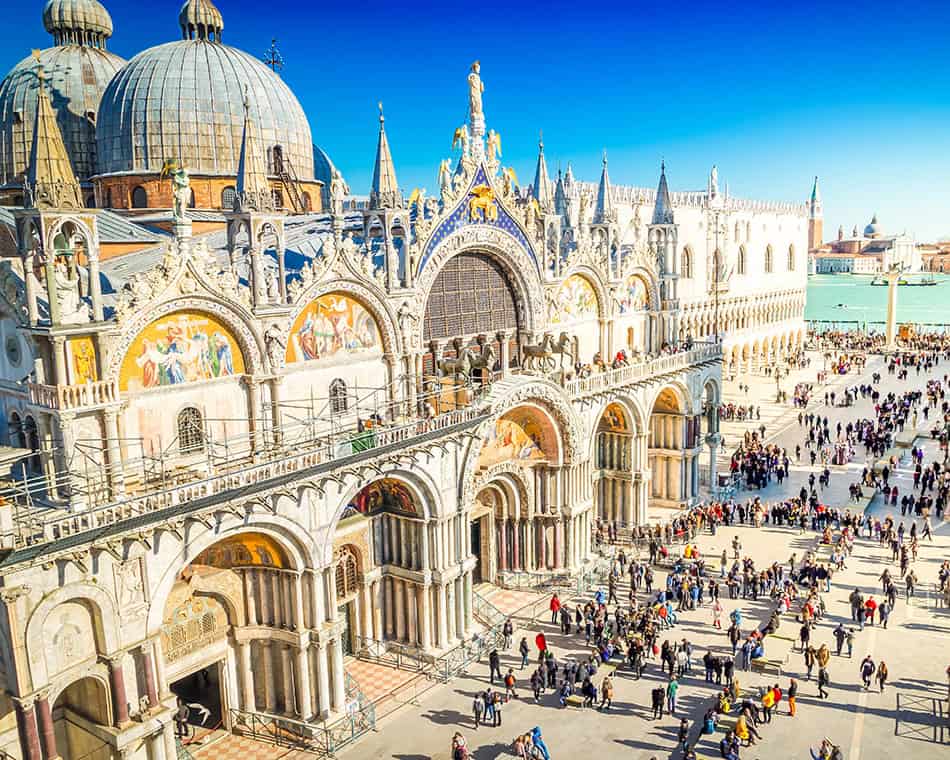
{"x": 77, "y": 70}
{"x": 184, "y": 101}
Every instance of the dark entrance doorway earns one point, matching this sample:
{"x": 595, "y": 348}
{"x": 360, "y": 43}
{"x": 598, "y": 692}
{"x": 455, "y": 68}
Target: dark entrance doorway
{"x": 200, "y": 692}
{"x": 476, "y": 547}
{"x": 346, "y": 636}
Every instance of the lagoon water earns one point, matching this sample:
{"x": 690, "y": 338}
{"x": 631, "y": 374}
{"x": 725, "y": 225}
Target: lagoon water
{"x": 852, "y": 298}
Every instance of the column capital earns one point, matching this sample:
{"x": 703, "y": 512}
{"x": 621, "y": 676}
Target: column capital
{"x": 25, "y": 703}
{"x": 115, "y": 659}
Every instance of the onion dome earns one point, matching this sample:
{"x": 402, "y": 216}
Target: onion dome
{"x": 77, "y": 71}
{"x": 184, "y": 101}
{"x": 77, "y": 22}
{"x": 200, "y": 19}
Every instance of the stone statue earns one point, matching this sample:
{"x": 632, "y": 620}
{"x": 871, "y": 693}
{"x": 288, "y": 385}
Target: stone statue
{"x": 475, "y": 90}
{"x": 445, "y": 178}
{"x": 181, "y": 188}
{"x": 66, "y": 287}
{"x": 275, "y": 344}
{"x": 338, "y": 190}
{"x": 494, "y": 144}
{"x": 714, "y": 182}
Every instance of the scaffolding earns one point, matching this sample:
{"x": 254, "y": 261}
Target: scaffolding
{"x": 84, "y": 488}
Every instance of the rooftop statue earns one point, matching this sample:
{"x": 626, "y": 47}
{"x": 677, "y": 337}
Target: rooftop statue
{"x": 181, "y": 188}
{"x": 475, "y": 90}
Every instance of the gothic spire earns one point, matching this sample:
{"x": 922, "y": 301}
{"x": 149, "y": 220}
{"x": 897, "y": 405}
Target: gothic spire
{"x": 252, "y": 191}
{"x": 385, "y": 190}
{"x": 663, "y": 210}
{"x": 51, "y": 183}
{"x": 542, "y": 183}
{"x": 560, "y": 196}
{"x": 604, "y": 209}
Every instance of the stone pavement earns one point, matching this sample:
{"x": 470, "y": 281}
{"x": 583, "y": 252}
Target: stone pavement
{"x": 909, "y": 719}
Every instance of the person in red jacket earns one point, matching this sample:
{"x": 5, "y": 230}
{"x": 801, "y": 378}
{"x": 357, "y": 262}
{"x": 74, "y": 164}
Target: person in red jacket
{"x": 555, "y": 608}
{"x": 870, "y": 607}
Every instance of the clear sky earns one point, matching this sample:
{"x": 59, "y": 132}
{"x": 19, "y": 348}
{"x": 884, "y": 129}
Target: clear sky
{"x": 773, "y": 93}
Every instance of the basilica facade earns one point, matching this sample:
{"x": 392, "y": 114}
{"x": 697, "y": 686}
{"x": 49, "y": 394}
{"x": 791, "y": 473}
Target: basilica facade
{"x": 243, "y": 453}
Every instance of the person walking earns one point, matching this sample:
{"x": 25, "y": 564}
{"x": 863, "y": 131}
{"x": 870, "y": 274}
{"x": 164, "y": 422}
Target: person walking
{"x": 768, "y": 702}
{"x": 717, "y": 614}
{"x": 524, "y": 650}
{"x": 478, "y": 708}
{"x": 867, "y": 671}
{"x": 792, "y": 693}
{"x": 823, "y": 681}
{"x": 497, "y": 703}
{"x": 656, "y": 697}
{"x": 881, "y": 675}
{"x": 510, "y": 685}
{"x": 671, "y": 689}
{"x": 494, "y": 665}
{"x": 606, "y": 694}
{"x": 507, "y": 630}
{"x": 555, "y": 607}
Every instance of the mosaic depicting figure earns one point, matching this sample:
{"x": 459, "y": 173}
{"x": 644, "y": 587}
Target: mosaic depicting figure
{"x": 575, "y": 300}
{"x": 330, "y": 325}
{"x": 633, "y": 295}
{"x": 514, "y": 438}
{"x": 384, "y": 495}
{"x": 181, "y": 348}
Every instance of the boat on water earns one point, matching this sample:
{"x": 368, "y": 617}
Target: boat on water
{"x": 922, "y": 282}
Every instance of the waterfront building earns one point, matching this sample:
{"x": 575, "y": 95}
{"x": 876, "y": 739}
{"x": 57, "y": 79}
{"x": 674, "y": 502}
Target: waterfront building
{"x": 869, "y": 252}
{"x": 246, "y": 443}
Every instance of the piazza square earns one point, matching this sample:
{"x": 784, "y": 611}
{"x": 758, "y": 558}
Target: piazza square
{"x": 297, "y": 468}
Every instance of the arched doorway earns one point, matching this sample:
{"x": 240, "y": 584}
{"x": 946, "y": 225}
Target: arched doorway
{"x": 219, "y": 629}
{"x": 674, "y": 441}
{"x": 80, "y": 704}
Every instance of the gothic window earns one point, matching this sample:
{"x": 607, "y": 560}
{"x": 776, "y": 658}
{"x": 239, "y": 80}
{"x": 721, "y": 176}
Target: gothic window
{"x": 139, "y": 198}
{"x": 741, "y": 264}
{"x": 686, "y": 266}
{"x": 338, "y": 401}
{"x": 346, "y": 574}
{"x": 791, "y": 258}
{"x": 768, "y": 259}
{"x": 472, "y": 295}
{"x": 227, "y": 197}
{"x": 190, "y": 431}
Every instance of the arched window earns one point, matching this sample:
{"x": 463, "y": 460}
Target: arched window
{"x": 768, "y": 259}
{"x": 139, "y": 198}
{"x": 791, "y": 258}
{"x": 16, "y": 437}
{"x": 277, "y": 154}
{"x": 741, "y": 263}
{"x": 338, "y": 402}
{"x": 227, "y": 197}
{"x": 686, "y": 265}
{"x": 346, "y": 574}
{"x": 278, "y": 197}
{"x": 191, "y": 436}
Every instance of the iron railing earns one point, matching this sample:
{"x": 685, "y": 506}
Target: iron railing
{"x": 324, "y": 739}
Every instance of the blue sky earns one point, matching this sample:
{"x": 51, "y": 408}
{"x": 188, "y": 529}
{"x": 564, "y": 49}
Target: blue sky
{"x": 774, "y": 94}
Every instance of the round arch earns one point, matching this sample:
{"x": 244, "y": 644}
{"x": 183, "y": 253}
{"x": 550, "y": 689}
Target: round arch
{"x": 104, "y": 614}
{"x": 634, "y": 412}
{"x": 672, "y": 391}
{"x": 296, "y": 543}
{"x": 593, "y": 278}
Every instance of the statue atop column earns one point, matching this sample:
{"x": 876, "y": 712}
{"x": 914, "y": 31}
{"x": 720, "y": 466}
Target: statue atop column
{"x": 475, "y": 90}
{"x": 181, "y": 195}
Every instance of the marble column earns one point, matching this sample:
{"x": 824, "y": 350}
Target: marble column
{"x": 336, "y": 665}
{"x": 516, "y": 541}
{"x": 400, "y": 617}
{"x": 267, "y": 664}
{"x": 287, "y": 671}
{"x": 388, "y": 593}
{"x": 467, "y": 602}
{"x": 411, "y": 614}
{"x": 148, "y": 670}
{"x": 302, "y": 681}
{"x": 424, "y": 606}
{"x": 502, "y": 545}
{"x": 442, "y": 617}
{"x": 247, "y": 676}
{"x": 47, "y": 731}
{"x": 29, "y": 733}
{"x": 120, "y": 703}
{"x": 557, "y": 563}
{"x": 542, "y": 544}
{"x": 156, "y": 747}
{"x": 323, "y": 679}
{"x": 459, "y": 608}
{"x": 377, "y": 596}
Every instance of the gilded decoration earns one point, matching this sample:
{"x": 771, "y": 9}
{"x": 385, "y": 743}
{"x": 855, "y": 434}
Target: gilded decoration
{"x": 330, "y": 326}
{"x": 197, "y": 622}
{"x": 182, "y": 347}
{"x": 81, "y": 355}
{"x": 242, "y": 550}
{"x": 614, "y": 419}
{"x": 574, "y": 301}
